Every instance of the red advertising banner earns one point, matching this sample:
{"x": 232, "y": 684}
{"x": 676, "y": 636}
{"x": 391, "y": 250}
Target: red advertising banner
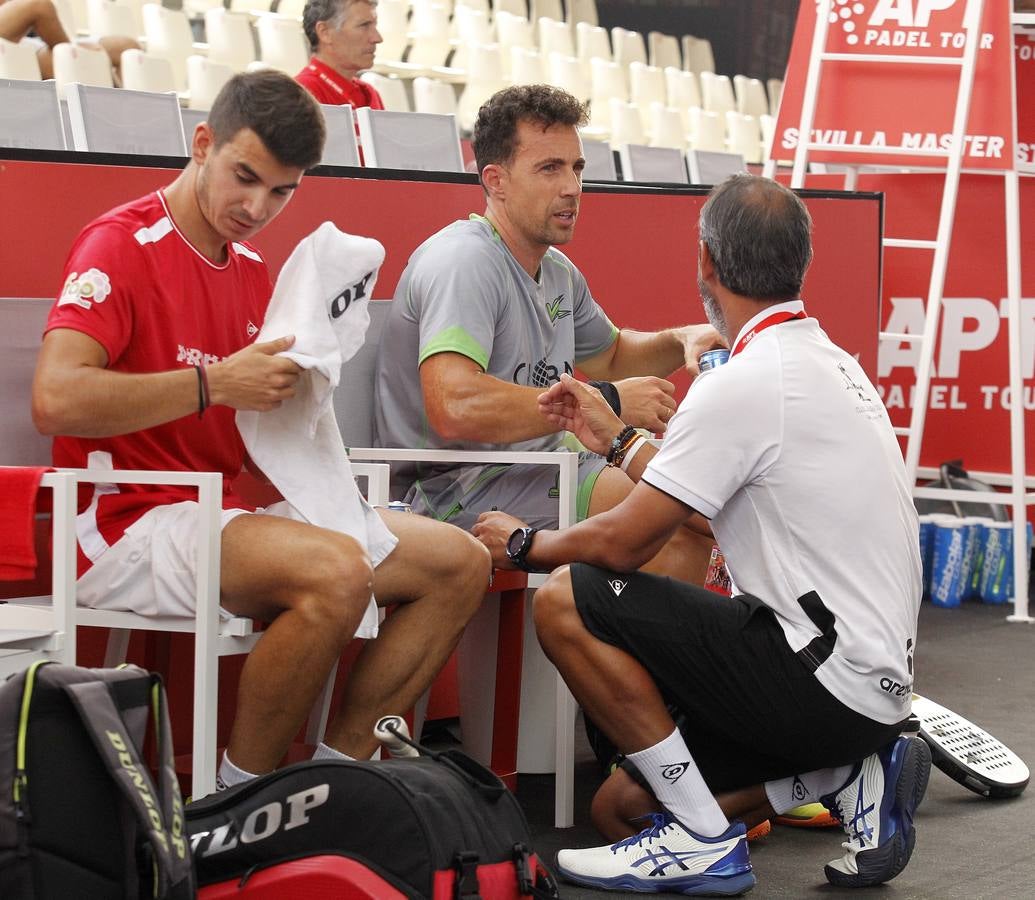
{"x": 907, "y": 105}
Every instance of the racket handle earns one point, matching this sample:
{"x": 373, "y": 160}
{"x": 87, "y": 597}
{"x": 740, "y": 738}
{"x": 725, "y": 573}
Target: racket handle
{"x": 384, "y": 732}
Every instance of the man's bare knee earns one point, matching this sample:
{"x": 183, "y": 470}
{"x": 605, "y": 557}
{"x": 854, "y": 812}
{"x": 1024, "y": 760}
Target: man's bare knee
{"x": 335, "y": 582}
{"x": 554, "y": 609}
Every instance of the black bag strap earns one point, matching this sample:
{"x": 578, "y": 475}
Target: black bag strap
{"x": 159, "y": 813}
{"x": 465, "y": 884}
{"x": 533, "y": 880}
{"x": 817, "y": 651}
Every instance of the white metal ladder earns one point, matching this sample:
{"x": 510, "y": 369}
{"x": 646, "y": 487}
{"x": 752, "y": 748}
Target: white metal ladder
{"x": 966, "y": 64}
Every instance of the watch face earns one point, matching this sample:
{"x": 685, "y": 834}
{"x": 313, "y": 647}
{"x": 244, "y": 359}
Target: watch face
{"x": 515, "y": 542}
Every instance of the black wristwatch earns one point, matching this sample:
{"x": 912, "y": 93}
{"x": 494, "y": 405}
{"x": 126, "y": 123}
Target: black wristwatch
{"x": 518, "y": 545}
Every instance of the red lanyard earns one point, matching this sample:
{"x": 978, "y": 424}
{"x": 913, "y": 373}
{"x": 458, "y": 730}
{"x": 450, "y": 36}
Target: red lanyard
{"x": 775, "y": 319}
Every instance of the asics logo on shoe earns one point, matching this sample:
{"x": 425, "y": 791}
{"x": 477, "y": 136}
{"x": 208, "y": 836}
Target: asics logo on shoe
{"x": 862, "y": 830}
{"x": 617, "y": 586}
{"x": 674, "y": 771}
{"x": 663, "y": 858}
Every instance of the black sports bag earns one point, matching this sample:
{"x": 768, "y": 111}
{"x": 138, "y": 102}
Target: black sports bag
{"x": 80, "y": 816}
{"x": 440, "y": 825}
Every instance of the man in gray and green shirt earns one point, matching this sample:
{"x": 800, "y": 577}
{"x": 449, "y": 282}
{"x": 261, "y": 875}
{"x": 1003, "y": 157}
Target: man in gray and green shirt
{"x": 488, "y": 314}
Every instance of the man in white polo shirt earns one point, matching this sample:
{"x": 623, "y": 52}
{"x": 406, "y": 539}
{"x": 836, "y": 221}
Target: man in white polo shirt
{"x": 796, "y": 689}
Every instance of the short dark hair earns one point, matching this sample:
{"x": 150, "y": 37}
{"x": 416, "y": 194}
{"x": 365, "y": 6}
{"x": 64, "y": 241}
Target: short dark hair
{"x": 495, "y": 130}
{"x": 278, "y": 109}
{"x": 759, "y": 235}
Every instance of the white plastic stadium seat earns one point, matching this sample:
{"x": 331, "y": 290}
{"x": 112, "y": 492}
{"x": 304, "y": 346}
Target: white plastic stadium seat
{"x": 143, "y": 72}
{"x": 432, "y": 96}
{"x": 80, "y": 64}
{"x": 282, "y": 45}
{"x": 663, "y": 50}
{"x": 751, "y": 96}
{"x": 629, "y": 46}
{"x": 391, "y": 89}
{"x": 205, "y": 79}
{"x": 697, "y": 54}
{"x": 168, "y": 35}
{"x": 19, "y": 61}
{"x": 230, "y": 41}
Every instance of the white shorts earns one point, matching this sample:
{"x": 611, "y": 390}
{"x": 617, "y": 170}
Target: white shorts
{"x": 151, "y": 569}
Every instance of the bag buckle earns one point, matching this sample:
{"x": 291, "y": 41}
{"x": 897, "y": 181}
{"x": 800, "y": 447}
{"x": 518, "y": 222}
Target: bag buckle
{"x": 522, "y": 863}
{"x": 466, "y": 885}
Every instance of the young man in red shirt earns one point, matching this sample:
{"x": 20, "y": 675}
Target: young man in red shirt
{"x": 343, "y": 37}
{"x": 148, "y": 352}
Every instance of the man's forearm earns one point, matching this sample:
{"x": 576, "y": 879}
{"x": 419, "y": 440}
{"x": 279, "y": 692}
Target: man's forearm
{"x": 645, "y": 353}
{"x": 488, "y": 410}
{"x": 89, "y": 401}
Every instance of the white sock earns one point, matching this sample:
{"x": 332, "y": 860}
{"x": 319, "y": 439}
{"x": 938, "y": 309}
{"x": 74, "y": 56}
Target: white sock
{"x": 787, "y": 793}
{"x": 229, "y": 774}
{"x": 322, "y": 751}
{"x": 677, "y": 783}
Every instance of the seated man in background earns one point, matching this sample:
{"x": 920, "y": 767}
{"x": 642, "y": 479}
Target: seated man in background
{"x": 795, "y": 690}
{"x": 147, "y": 354}
{"x": 343, "y": 38}
{"x": 488, "y": 313}
{"x": 19, "y": 17}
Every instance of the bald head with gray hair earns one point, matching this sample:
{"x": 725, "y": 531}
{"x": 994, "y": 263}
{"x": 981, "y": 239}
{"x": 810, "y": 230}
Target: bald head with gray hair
{"x": 759, "y": 236}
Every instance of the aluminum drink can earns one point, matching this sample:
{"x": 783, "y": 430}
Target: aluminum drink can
{"x": 400, "y": 506}
{"x": 712, "y": 359}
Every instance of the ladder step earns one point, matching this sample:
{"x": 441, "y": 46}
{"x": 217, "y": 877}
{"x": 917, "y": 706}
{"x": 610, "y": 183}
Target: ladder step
{"x": 902, "y": 431}
{"x": 894, "y": 60}
{"x": 900, "y": 338}
{"x": 911, "y": 243}
{"x": 883, "y": 151}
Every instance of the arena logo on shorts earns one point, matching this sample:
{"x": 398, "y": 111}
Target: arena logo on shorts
{"x": 93, "y": 286}
{"x": 617, "y": 586}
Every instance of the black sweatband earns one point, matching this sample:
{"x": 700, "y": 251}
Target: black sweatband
{"x": 610, "y": 394}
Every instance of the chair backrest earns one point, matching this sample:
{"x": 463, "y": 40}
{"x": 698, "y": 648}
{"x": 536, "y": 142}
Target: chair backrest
{"x": 414, "y": 141}
{"x": 744, "y": 136}
{"x": 592, "y": 42}
{"x": 629, "y": 46}
{"x": 751, "y": 96}
{"x": 205, "y": 79}
{"x": 526, "y": 66}
{"x": 666, "y": 127}
{"x": 583, "y": 11}
{"x": 510, "y": 7}
{"x": 607, "y": 80}
{"x": 191, "y": 118}
{"x": 30, "y": 116}
{"x": 682, "y": 88}
{"x": 21, "y": 330}
{"x": 555, "y": 37}
{"x": 663, "y": 50}
{"x": 114, "y": 18}
{"x": 19, "y": 61}
{"x": 143, "y": 72}
{"x": 282, "y": 43}
{"x": 717, "y": 92}
{"x": 646, "y": 86}
{"x": 626, "y": 123}
{"x": 293, "y": 8}
{"x": 82, "y": 65}
{"x": 230, "y": 38}
{"x": 600, "y": 161}
{"x": 549, "y": 9}
{"x": 707, "y": 130}
{"x": 354, "y": 396}
{"x": 168, "y": 35}
{"x": 567, "y": 72}
{"x": 393, "y": 24}
{"x": 341, "y": 148}
{"x": 649, "y": 165}
{"x": 710, "y": 167}
{"x": 391, "y": 89}
{"x": 433, "y": 96}
{"x": 484, "y": 78}
{"x": 117, "y": 120}
{"x": 697, "y": 54}
{"x": 429, "y": 30}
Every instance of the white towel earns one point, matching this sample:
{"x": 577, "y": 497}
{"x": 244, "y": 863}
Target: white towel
{"x": 321, "y": 298}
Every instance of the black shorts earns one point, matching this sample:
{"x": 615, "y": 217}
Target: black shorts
{"x": 754, "y": 711}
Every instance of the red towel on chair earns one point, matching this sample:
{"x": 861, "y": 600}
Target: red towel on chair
{"x": 18, "y": 488}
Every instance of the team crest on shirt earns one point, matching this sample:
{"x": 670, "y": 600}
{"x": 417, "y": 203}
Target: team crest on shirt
{"x": 93, "y": 286}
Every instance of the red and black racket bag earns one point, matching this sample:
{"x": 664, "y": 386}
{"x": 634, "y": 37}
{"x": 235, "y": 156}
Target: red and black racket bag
{"x": 437, "y": 826}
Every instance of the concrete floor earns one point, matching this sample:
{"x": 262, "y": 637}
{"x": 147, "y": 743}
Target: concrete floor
{"x": 969, "y": 659}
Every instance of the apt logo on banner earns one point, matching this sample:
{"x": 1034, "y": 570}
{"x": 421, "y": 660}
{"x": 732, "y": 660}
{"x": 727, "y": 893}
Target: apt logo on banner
{"x": 901, "y": 105}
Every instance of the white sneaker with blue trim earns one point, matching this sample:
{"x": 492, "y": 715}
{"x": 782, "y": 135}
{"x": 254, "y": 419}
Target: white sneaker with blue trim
{"x": 876, "y": 811}
{"x": 665, "y": 857}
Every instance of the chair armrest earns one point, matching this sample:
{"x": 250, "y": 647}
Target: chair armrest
{"x": 377, "y": 476}
{"x": 566, "y": 462}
